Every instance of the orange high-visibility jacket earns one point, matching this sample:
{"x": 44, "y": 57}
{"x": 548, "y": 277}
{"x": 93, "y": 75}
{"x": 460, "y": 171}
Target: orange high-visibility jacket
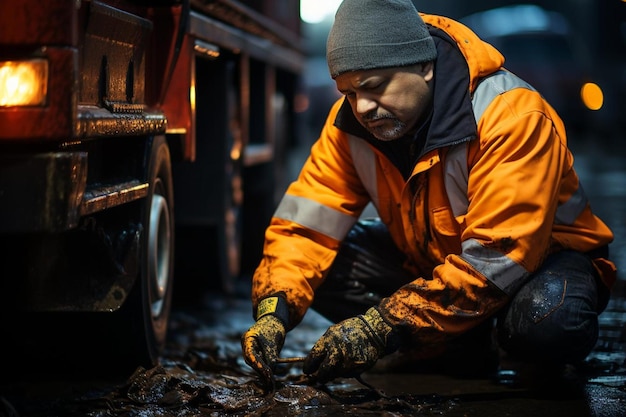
{"x": 493, "y": 192}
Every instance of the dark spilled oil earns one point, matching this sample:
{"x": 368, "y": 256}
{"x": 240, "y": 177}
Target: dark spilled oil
{"x": 203, "y": 374}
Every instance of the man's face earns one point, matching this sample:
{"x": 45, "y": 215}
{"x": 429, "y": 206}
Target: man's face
{"x": 388, "y": 102}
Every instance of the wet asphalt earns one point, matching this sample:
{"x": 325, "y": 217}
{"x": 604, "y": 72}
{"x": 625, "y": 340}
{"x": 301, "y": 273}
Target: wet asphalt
{"x": 202, "y": 372}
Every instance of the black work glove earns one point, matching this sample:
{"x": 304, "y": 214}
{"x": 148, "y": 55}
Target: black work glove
{"x": 350, "y": 347}
{"x": 262, "y": 343}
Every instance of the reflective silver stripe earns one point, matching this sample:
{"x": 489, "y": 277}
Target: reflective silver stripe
{"x": 314, "y": 216}
{"x": 501, "y": 270}
{"x": 364, "y": 161}
{"x": 491, "y": 87}
{"x": 456, "y": 171}
{"x": 498, "y": 268}
{"x": 568, "y": 212}
{"x": 455, "y": 177}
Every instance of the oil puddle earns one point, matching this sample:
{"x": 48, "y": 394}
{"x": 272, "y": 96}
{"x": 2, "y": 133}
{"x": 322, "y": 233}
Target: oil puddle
{"x": 175, "y": 389}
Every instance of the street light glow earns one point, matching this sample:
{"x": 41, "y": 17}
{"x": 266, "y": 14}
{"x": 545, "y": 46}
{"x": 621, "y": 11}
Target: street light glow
{"x": 314, "y": 11}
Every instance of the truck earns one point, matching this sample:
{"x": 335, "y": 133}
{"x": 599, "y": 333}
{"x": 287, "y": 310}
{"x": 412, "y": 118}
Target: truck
{"x": 129, "y": 128}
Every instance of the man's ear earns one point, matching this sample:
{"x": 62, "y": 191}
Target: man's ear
{"x": 427, "y": 70}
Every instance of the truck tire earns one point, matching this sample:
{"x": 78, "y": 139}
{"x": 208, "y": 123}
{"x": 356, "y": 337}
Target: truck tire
{"x": 111, "y": 343}
{"x": 157, "y": 271}
{"x": 149, "y": 304}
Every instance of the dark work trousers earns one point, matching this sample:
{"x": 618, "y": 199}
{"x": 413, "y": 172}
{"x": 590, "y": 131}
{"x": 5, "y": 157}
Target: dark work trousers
{"x": 552, "y": 318}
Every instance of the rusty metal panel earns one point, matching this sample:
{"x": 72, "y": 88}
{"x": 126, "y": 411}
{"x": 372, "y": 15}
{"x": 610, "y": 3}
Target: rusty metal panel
{"x": 252, "y": 22}
{"x": 113, "y": 57}
{"x": 284, "y": 12}
{"x": 36, "y": 22}
{"x": 41, "y": 191}
{"x": 177, "y": 104}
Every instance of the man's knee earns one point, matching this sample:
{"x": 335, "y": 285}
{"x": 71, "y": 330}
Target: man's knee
{"x": 557, "y": 338}
{"x": 554, "y": 316}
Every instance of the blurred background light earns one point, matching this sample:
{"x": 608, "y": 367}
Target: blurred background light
{"x": 314, "y": 11}
{"x": 592, "y": 96}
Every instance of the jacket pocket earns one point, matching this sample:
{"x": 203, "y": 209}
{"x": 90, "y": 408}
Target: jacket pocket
{"x": 444, "y": 223}
{"x": 445, "y": 232}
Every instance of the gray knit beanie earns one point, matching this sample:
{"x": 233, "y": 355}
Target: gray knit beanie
{"x": 370, "y": 34}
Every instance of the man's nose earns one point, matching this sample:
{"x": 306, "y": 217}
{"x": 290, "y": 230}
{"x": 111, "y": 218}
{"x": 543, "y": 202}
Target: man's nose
{"x": 365, "y": 104}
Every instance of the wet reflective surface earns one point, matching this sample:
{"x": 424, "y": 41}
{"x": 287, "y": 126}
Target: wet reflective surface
{"x": 203, "y": 374}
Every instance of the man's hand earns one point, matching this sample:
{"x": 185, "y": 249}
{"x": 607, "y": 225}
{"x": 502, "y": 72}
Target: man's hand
{"x": 349, "y": 348}
{"x": 261, "y": 345}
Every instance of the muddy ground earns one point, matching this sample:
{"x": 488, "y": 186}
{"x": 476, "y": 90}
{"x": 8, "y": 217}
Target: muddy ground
{"x": 202, "y": 372}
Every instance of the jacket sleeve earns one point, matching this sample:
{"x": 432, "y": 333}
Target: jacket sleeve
{"x": 313, "y": 217}
{"x": 516, "y": 168}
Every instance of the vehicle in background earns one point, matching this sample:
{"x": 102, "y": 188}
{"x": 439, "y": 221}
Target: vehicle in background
{"x": 539, "y": 46}
{"x": 129, "y": 128}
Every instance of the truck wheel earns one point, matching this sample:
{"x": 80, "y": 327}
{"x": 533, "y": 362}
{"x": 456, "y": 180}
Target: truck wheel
{"x": 149, "y": 304}
{"x": 112, "y": 343}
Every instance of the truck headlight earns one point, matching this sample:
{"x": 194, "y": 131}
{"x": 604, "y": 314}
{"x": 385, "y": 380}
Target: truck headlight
{"x": 23, "y": 83}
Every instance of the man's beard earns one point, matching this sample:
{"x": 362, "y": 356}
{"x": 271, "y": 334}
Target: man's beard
{"x": 383, "y": 132}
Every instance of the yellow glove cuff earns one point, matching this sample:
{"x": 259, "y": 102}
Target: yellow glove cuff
{"x": 386, "y": 336}
{"x": 274, "y": 305}
{"x": 266, "y": 306}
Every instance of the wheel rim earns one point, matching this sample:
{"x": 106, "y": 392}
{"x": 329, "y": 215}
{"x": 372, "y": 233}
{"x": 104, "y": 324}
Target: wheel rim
{"x": 159, "y": 253}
